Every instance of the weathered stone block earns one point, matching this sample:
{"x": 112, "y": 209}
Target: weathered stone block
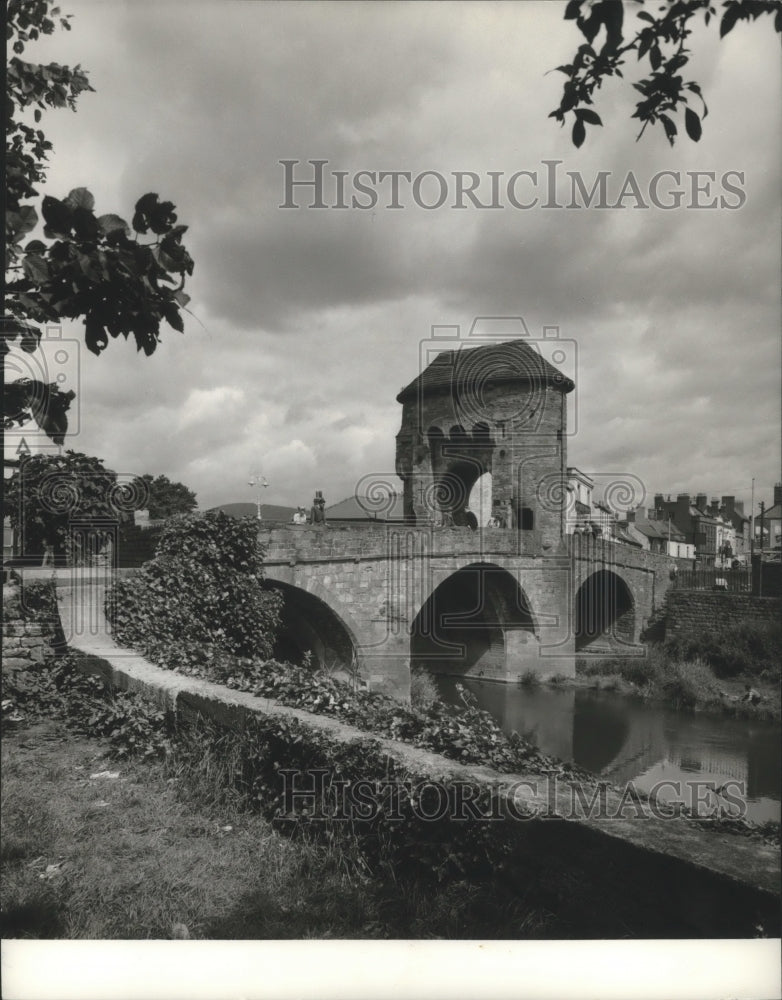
{"x": 15, "y": 662}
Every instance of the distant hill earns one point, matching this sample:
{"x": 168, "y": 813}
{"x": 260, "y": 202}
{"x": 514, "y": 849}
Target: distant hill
{"x": 363, "y": 509}
{"x": 269, "y": 511}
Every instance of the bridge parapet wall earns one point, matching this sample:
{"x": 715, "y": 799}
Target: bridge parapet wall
{"x": 389, "y": 541}
{"x": 648, "y": 575}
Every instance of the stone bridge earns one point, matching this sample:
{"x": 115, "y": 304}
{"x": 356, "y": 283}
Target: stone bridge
{"x": 490, "y": 603}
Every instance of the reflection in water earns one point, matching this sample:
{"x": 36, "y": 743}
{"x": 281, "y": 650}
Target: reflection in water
{"x": 624, "y": 739}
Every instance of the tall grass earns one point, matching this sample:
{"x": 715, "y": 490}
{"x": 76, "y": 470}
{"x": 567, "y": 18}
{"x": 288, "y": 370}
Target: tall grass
{"x": 682, "y": 683}
{"x": 749, "y": 650}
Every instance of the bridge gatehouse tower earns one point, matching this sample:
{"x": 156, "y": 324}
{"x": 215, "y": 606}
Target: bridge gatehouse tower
{"x": 483, "y": 440}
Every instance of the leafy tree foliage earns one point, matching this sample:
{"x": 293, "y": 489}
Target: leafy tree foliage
{"x": 661, "y": 41}
{"x": 48, "y": 492}
{"x": 87, "y": 266}
{"x": 167, "y": 498}
{"x": 203, "y": 590}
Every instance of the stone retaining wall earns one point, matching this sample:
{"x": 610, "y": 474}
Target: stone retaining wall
{"x": 683, "y": 881}
{"x": 26, "y": 643}
{"x": 689, "y": 611}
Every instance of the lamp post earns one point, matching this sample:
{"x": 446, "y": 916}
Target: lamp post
{"x": 260, "y": 483}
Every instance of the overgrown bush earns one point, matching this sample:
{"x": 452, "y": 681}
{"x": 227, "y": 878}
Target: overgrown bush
{"x": 136, "y": 545}
{"x": 203, "y": 589}
{"x": 748, "y": 649}
{"x": 423, "y": 688}
{"x": 463, "y": 732}
{"x": 33, "y": 601}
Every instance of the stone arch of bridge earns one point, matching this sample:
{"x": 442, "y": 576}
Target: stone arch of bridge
{"x": 605, "y": 611}
{"x": 311, "y": 623}
{"x": 478, "y": 621}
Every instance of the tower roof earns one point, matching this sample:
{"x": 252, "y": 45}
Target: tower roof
{"x": 471, "y": 367}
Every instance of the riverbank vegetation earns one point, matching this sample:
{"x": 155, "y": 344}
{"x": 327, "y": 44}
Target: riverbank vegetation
{"x": 705, "y": 670}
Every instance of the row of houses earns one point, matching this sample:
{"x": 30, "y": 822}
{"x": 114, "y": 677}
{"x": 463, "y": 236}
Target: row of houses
{"x": 714, "y": 532}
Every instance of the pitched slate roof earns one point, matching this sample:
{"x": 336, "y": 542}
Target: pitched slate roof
{"x": 621, "y": 535}
{"x": 659, "y": 529}
{"x": 508, "y": 362}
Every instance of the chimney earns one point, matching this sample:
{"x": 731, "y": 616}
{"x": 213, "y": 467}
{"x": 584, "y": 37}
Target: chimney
{"x": 777, "y": 494}
{"x": 700, "y": 501}
{"x": 730, "y": 505}
{"x": 630, "y": 516}
{"x": 714, "y": 507}
{"x": 683, "y": 505}
{"x": 658, "y": 501}
{"x": 739, "y": 507}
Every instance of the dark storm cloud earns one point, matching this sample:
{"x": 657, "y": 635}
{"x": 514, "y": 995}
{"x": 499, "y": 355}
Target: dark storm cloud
{"x": 308, "y": 321}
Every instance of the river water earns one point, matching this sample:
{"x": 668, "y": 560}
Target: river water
{"x": 626, "y": 739}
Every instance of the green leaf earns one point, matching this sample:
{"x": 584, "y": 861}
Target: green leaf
{"x": 693, "y": 124}
{"x": 729, "y": 19}
{"x": 58, "y": 216}
{"x": 21, "y": 222}
{"x": 80, "y": 198}
{"x": 94, "y": 334}
{"x": 85, "y": 224}
{"x": 36, "y": 268}
{"x": 591, "y": 117}
{"x": 113, "y": 223}
{"x": 30, "y": 339}
{"x": 670, "y": 128}
{"x": 172, "y": 316}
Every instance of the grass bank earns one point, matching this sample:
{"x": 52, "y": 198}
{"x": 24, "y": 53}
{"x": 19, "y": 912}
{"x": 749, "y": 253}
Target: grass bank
{"x": 115, "y": 825}
{"x": 157, "y": 851}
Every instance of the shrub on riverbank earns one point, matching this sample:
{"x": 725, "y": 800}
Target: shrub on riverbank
{"x": 687, "y": 684}
{"x": 748, "y": 650}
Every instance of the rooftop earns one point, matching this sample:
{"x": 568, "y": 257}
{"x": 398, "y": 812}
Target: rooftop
{"x": 508, "y": 362}
{"x": 659, "y": 529}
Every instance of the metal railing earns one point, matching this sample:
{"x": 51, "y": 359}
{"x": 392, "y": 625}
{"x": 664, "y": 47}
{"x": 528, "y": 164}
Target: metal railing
{"x": 733, "y": 581}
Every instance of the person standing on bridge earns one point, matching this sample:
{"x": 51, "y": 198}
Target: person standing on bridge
{"x": 318, "y": 512}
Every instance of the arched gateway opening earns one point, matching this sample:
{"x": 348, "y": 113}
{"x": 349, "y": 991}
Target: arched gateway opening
{"x": 476, "y": 622}
{"x": 310, "y": 625}
{"x": 605, "y": 612}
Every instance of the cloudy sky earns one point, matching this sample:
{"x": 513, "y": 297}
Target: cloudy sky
{"x": 307, "y": 322}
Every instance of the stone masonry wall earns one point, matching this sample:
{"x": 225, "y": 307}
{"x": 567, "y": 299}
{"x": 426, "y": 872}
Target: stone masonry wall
{"x": 694, "y": 610}
{"x": 25, "y": 643}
